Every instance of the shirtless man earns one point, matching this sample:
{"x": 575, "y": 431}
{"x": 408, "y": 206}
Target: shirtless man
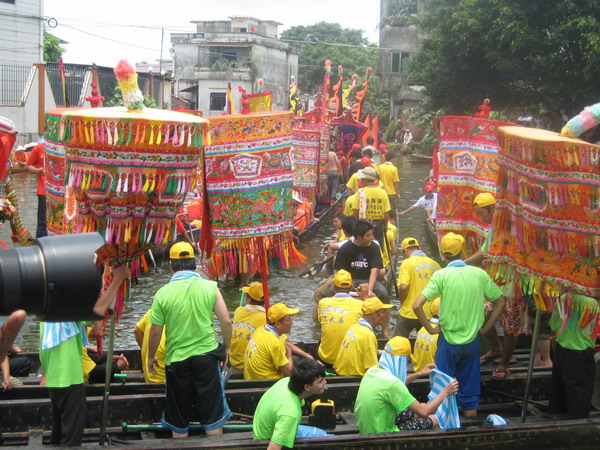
{"x": 334, "y": 169}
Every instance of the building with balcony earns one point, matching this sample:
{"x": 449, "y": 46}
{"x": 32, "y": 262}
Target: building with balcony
{"x": 399, "y": 39}
{"x": 237, "y": 51}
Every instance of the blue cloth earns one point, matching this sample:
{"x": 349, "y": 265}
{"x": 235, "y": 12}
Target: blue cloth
{"x": 396, "y": 364}
{"x": 183, "y": 274}
{"x": 310, "y": 432}
{"x": 457, "y": 263}
{"x": 495, "y": 420}
{"x": 461, "y": 362}
{"x": 56, "y": 333}
{"x": 447, "y": 413}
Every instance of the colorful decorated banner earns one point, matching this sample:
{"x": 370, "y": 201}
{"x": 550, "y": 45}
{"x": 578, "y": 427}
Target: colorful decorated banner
{"x": 306, "y": 154}
{"x": 468, "y": 152}
{"x": 128, "y": 173}
{"x": 547, "y": 221}
{"x": 55, "y": 167}
{"x": 248, "y": 193}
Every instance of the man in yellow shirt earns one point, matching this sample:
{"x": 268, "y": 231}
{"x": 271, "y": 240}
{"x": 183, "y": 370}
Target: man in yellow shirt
{"x": 142, "y": 337}
{"x": 388, "y": 174}
{"x": 358, "y": 351}
{"x": 373, "y": 203}
{"x": 415, "y": 271}
{"x": 246, "y": 320}
{"x": 337, "y": 314}
{"x": 269, "y": 353}
{"x": 426, "y": 344}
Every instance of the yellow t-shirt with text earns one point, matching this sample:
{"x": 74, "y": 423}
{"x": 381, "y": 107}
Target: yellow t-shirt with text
{"x": 378, "y": 203}
{"x": 336, "y": 316}
{"x": 246, "y": 320}
{"x": 265, "y": 354}
{"x": 425, "y": 348}
{"x": 358, "y": 351}
{"x": 415, "y": 272}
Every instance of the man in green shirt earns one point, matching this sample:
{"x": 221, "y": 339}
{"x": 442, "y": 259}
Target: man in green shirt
{"x": 381, "y": 396}
{"x": 185, "y": 306}
{"x": 279, "y": 410}
{"x": 61, "y": 351}
{"x": 463, "y": 290}
{"x": 573, "y": 368}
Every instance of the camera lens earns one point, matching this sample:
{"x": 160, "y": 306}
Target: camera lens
{"x": 56, "y": 278}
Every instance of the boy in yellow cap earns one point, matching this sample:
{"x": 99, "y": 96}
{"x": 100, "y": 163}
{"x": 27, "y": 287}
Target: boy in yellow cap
{"x": 268, "y": 354}
{"x": 415, "y": 271}
{"x": 463, "y": 290}
{"x": 426, "y": 344}
{"x": 358, "y": 351}
{"x": 246, "y": 320}
{"x": 337, "y": 314}
{"x": 383, "y": 397}
{"x": 484, "y": 205}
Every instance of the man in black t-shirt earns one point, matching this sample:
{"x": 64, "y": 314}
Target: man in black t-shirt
{"x": 362, "y": 258}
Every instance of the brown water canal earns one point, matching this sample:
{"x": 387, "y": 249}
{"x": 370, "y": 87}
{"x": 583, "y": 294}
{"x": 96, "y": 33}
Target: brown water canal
{"x": 284, "y": 285}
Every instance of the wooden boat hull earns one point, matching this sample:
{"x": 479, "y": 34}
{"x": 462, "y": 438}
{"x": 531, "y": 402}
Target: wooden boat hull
{"x": 29, "y": 407}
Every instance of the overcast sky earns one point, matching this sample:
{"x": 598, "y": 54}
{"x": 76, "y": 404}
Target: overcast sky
{"x": 106, "y": 31}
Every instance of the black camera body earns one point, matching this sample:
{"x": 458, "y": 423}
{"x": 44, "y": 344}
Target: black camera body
{"x": 57, "y": 278}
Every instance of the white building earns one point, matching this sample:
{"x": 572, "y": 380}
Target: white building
{"x": 237, "y": 51}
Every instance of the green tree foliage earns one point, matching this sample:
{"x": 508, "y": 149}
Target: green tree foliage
{"x": 115, "y": 98}
{"x": 536, "y": 55}
{"x": 52, "y": 48}
{"x": 342, "y": 46}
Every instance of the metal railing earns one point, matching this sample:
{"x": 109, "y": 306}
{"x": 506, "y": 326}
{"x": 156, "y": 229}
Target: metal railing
{"x": 15, "y": 81}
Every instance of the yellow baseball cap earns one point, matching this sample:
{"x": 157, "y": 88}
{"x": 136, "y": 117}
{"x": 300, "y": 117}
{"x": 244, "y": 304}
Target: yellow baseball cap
{"x": 483, "y": 199}
{"x": 399, "y": 346}
{"x": 255, "y": 291}
{"x": 451, "y": 244}
{"x": 342, "y": 279}
{"x": 372, "y": 305}
{"x": 435, "y": 307}
{"x": 181, "y": 250}
{"x": 409, "y": 242}
{"x": 278, "y": 311}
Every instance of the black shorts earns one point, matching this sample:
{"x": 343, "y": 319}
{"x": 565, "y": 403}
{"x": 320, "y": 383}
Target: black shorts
{"x": 194, "y": 387}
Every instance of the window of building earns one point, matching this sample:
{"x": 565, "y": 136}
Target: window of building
{"x": 12, "y": 2}
{"x": 217, "y": 101}
{"x": 404, "y": 63}
{"x": 395, "y": 62}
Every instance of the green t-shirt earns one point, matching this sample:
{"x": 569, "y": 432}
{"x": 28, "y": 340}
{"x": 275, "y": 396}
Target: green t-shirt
{"x": 572, "y": 337}
{"x": 62, "y": 364}
{"x": 185, "y": 308}
{"x": 381, "y": 396}
{"x": 463, "y": 290}
{"x": 485, "y": 247}
{"x": 278, "y": 414}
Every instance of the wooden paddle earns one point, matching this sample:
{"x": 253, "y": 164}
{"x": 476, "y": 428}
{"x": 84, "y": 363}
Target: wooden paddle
{"x": 315, "y": 269}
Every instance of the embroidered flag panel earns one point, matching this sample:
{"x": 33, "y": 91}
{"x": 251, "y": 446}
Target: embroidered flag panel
{"x": 305, "y": 160}
{"x": 55, "y": 165}
{"x": 468, "y": 152}
{"x": 248, "y": 193}
{"x": 547, "y": 220}
{"x": 447, "y": 413}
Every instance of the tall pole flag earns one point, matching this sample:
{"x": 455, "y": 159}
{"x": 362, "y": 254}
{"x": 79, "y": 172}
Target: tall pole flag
{"x": 63, "y": 82}
{"x": 360, "y": 97}
{"x": 229, "y": 103}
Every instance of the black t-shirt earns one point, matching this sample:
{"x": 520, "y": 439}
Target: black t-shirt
{"x": 354, "y": 167}
{"x": 358, "y": 260}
